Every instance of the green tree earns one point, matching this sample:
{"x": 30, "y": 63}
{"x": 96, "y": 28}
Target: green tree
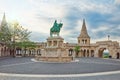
{"x": 19, "y": 33}
{"x": 5, "y": 33}
{"x": 77, "y": 50}
{"x": 10, "y": 33}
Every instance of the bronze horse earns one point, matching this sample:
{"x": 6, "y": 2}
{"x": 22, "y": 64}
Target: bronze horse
{"x": 55, "y": 29}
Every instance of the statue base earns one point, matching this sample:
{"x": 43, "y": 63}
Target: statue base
{"x": 55, "y": 51}
{"x": 54, "y": 59}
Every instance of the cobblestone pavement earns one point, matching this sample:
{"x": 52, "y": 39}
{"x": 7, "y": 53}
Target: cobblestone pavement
{"x": 83, "y": 65}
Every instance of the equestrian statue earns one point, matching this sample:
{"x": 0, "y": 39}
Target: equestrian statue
{"x": 55, "y": 30}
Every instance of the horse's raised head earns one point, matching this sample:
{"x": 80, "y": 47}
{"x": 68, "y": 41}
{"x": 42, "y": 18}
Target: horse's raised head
{"x": 60, "y": 25}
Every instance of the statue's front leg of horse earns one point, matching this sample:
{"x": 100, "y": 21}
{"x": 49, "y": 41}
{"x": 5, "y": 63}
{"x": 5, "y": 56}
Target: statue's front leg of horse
{"x": 57, "y": 33}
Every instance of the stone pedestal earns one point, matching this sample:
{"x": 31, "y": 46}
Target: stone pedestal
{"x": 55, "y": 52}
{"x": 54, "y": 41}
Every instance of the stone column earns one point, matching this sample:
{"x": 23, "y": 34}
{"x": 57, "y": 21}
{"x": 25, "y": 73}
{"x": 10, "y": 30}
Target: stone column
{"x": 42, "y": 52}
{"x": 57, "y": 43}
{"x": 73, "y": 55}
{"x": 52, "y": 43}
{"x": 96, "y": 53}
{"x": 90, "y": 54}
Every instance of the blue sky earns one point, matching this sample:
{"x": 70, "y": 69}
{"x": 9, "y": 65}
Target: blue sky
{"x": 102, "y": 17}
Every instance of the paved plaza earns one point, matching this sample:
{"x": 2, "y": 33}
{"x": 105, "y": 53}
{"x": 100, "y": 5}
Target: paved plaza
{"x": 27, "y": 66}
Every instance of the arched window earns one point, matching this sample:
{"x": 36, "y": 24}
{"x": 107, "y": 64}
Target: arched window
{"x": 84, "y": 52}
{"x": 70, "y": 52}
{"x": 39, "y": 52}
{"x": 118, "y": 55}
{"x": 85, "y": 41}
{"x": 92, "y": 53}
{"x": 78, "y": 41}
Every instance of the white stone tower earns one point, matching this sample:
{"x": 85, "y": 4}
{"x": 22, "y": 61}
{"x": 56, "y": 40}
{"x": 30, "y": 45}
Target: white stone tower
{"x": 84, "y": 38}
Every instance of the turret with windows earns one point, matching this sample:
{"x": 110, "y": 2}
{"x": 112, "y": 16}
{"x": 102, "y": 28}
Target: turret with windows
{"x": 84, "y": 38}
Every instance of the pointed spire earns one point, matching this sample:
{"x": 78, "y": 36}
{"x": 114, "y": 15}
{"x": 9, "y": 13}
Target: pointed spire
{"x": 4, "y": 18}
{"x": 4, "y": 22}
{"x": 84, "y": 33}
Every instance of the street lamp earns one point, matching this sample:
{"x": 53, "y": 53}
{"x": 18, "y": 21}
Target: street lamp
{"x": 108, "y": 37}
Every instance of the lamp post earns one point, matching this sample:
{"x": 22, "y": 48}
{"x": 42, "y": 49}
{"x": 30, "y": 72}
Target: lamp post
{"x": 108, "y": 37}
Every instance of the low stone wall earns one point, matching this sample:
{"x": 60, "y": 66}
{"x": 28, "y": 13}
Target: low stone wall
{"x": 54, "y": 59}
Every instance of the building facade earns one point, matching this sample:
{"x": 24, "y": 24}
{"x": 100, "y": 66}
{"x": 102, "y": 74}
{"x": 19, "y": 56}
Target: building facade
{"x": 87, "y": 49}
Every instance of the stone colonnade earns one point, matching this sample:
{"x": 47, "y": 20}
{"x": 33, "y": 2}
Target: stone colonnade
{"x": 4, "y": 51}
{"x": 85, "y": 53}
{"x": 28, "y": 52}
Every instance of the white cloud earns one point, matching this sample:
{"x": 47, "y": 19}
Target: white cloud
{"x": 32, "y": 23}
{"x": 79, "y": 26}
{"x": 41, "y": 14}
{"x": 117, "y": 1}
{"x": 100, "y": 29}
{"x": 42, "y": 17}
{"x": 48, "y": 9}
{"x": 95, "y": 6}
{"x": 115, "y": 17}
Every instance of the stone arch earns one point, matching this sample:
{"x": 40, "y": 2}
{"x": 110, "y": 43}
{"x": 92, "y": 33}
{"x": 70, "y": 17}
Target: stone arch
{"x": 92, "y": 53}
{"x": 71, "y": 52}
{"x": 111, "y": 46}
{"x": 32, "y": 52}
{"x": 118, "y": 55}
{"x": 38, "y": 51}
{"x": 18, "y": 51}
{"x": 86, "y": 41}
{"x": 101, "y": 49}
{"x": 100, "y": 52}
{"x": 83, "y": 41}
{"x": 84, "y": 53}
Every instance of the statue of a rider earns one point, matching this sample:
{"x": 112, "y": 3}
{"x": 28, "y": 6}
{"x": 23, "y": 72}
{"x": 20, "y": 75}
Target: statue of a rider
{"x": 55, "y": 30}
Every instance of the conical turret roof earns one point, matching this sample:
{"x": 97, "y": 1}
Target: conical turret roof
{"x": 84, "y": 33}
{"x": 3, "y": 22}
